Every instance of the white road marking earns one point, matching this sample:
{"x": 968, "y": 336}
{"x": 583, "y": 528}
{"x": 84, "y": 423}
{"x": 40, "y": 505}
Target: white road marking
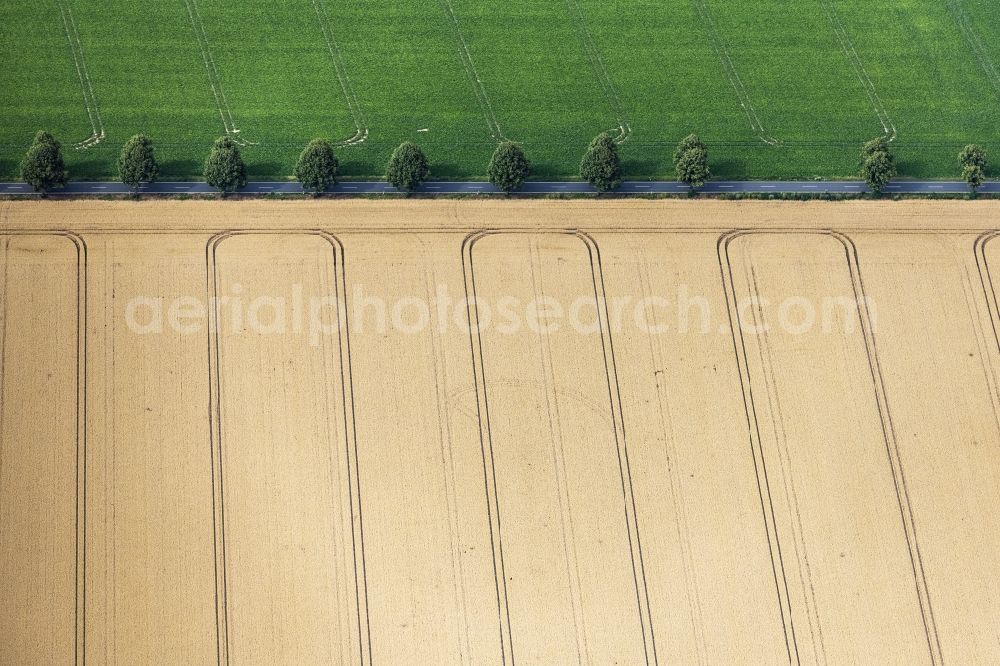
{"x": 726, "y": 187}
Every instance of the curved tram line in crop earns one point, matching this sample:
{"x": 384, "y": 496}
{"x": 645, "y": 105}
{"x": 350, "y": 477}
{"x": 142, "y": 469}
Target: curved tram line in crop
{"x": 976, "y": 45}
{"x": 600, "y": 69}
{"x": 847, "y": 45}
{"x": 215, "y": 79}
{"x": 89, "y": 98}
{"x": 357, "y": 114}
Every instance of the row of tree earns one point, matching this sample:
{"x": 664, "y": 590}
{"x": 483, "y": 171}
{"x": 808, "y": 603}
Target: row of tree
{"x": 878, "y": 165}
{"x": 45, "y": 170}
{"x": 318, "y": 167}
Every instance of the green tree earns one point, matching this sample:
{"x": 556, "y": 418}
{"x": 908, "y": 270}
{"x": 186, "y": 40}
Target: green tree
{"x": 43, "y": 167}
{"x": 601, "y": 165}
{"x": 686, "y": 144}
{"x": 878, "y": 164}
{"x": 877, "y": 170}
{"x": 879, "y": 145}
{"x": 224, "y": 168}
{"x": 972, "y": 159}
{"x": 407, "y": 168}
{"x": 974, "y": 175}
{"x": 137, "y": 163}
{"x": 692, "y": 167}
{"x": 973, "y": 155}
{"x": 317, "y": 167}
{"x": 508, "y": 167}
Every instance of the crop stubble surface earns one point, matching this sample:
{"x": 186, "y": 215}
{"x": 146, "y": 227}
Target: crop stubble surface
{"x": 417, "y": 494}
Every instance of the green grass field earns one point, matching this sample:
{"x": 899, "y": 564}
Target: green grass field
{"x": 776, "y": 89}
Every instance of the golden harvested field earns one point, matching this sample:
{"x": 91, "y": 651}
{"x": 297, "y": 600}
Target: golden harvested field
{"x": 441, "y": 432}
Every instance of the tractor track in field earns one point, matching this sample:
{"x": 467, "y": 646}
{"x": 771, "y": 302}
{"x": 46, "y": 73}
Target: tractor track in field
{"x": 222, "y": 102}
{"x": 224, "y": 610}
{"x": 80, "y": 63}
{"x": 79, "y": 614}
{"x": 593, "y": 54}
{"x": 847, "y": 45}
{"x": 721, "y": 49}
{"x": 887, "y": 426}
{"x": 591, "y": 51}
{"x": 488, "y": 448}
{"x": 469, "y": 65}
{"x": 357, "y": 113}
{"x": 974, "y": 42}
{"x": 214, "y": 79}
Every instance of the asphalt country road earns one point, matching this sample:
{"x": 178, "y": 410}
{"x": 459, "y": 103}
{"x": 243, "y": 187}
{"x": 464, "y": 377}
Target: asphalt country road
{"x": 635, "y": 187}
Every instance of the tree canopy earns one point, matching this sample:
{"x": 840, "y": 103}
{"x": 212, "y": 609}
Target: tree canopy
{"x": 691, "y": 161}
{"x": 879, "y": 145}
{"x": 224, "y": 168}
{"x": 974, "y": 175}
{"x": 973, "y": 162}
{"x": 686, "y": 144}
{"x": 43, "y": 166}
{"x": 878, "y": 164}
{"x": 972, "y": 155}
{"x": 692, "y": 167}
{"x": 317, "y": 167}
{"x": 407, "y": 168}
{"x": 509, "y": 167}
{"x": 601, "y": 165}
{"x": 137, "y": 163}
{"x": 877, "y": 170}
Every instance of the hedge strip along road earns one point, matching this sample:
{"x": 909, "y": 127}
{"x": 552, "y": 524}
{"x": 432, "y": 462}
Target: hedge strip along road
{"x": 348, "y": 188}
